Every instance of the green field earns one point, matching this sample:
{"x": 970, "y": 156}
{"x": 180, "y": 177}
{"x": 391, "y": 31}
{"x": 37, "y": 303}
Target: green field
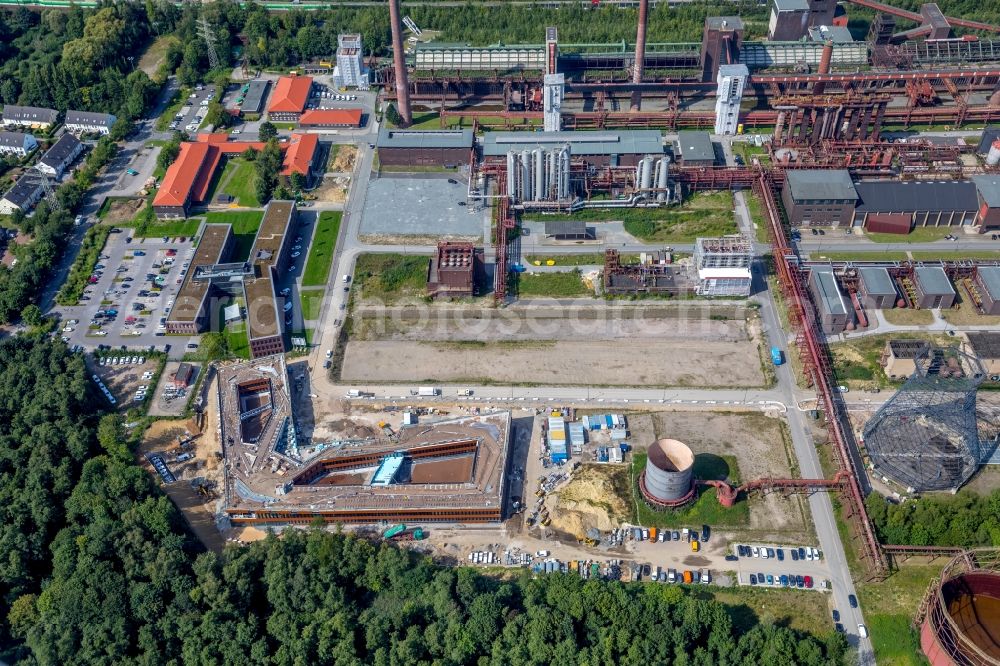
{"x": 551, "y": 285}
{"x": 706, "y": 508}
{"x": 391, "y": 277}
{"x": 241, "y": 184}
{"x": 310, "y": 302}
{"x": 146, "y": 225}
{"x": 858, "y": 255}
{"x": 918, "y": 235}
{"x": 702, "y": 214}
{"x": 237, "y": 343}
{"x": 889, "y": 607}
{"x": 321, "y": 250}
{"x": 588, "y": 259}
{"x": 245, "y": 225}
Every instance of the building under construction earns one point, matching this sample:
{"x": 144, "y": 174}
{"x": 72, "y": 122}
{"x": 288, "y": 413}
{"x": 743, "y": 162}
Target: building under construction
{"x": 655, "y": 273}
{"x": 447, "y": 471}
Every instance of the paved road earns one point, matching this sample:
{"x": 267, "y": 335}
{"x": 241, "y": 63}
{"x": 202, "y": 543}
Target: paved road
{"x": 104, "y": 187}
{"x": 808, "y": 460}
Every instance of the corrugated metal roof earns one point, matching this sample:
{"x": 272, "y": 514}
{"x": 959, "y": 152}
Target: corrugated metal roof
{"x": 625, "y": 142}
{"x": 891, "y": 196}
{"x": 828, "y": 291}
{"x": 877, "y": 281}
{"x": 695, "y": 146}
{"x": 989, "y": 188}
{"x": 391, "y": 138}
{"x": 821, "y": 184}
{"x": 933, "y": 280}
{"x": 791, "y": 5}
{"x": 253, "y": 101}
{"x": 990, "y": 134}
{"x": 990, "y": 276}
{"x": 565, "y": 228}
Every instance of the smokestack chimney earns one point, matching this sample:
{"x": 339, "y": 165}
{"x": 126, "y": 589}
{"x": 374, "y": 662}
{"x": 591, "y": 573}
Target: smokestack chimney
{"x": 640, "y": 54}
{"x": 824, "y": 65}
{"x": 399, "y": 65}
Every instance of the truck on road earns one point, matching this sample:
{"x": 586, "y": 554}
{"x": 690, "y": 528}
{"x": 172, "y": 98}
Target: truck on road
{"x": 355, "y": 393}
{"x": 428, "y": 391}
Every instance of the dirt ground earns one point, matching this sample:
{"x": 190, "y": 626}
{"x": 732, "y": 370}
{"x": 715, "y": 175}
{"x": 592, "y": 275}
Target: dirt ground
{"x": 593, "y": 497}
{"x": 344, "y": 160}
{"x": 122, "y": 210}
{"x": 333, "y": 189}
{"x": 762, "y": 448}
{"x": 123, "y": 380}
{"x": 198, "y": 509}
{"x": 582, "y": 362}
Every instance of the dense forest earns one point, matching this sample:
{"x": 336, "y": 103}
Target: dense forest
{"x": 96, "y": 567}
{"x": 79, "y": 59}
{"x": 965, "y": 519}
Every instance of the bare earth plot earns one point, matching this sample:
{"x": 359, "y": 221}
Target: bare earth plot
{"x": 583, "y": 362}
{"x": 761, "y": 447}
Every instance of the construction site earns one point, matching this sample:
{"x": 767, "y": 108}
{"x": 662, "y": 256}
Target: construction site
{"x": 449, "y": 471}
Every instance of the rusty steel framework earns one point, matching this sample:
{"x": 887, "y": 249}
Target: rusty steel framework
{"x": 817, "y": 368}
{"x": 940, "y": 634}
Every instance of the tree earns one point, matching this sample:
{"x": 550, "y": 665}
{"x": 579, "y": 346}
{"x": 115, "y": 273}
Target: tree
{"x": 32, "y": 315}
{"x": 297, "y": 180}
{"x": 267, "y": 131}
{"x": 267, "y": 166}
{"x": 169, "y": 152}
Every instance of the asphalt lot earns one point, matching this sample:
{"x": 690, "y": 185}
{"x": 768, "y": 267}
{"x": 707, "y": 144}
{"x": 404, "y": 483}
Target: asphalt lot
{"x": 192, "y": 109}
{"x": 118, "y": 287}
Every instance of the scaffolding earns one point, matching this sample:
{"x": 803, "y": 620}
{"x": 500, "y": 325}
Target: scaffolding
{"x": 926, "y": 437}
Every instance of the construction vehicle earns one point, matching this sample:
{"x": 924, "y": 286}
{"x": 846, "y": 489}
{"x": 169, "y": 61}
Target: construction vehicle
{"x": 545, "y": 521}
{"x": 400, "y": 533}
{"x": 395, "y": 530}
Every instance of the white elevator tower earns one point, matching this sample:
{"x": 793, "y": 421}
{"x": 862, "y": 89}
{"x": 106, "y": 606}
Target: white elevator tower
{"x": 553, "y": 85}
{"x": 732, "y": 80}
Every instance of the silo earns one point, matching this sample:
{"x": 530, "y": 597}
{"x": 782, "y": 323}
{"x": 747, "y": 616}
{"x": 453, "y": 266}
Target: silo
{"x": 526, "y": 189}
{"x": 667, "y": 478}
{"x": 662, "y": 171}
{"x": 647, "y": 173}
{"x": 564, "y": 191}
{"x": 539, "y": 156}
{"x": 511, "y": 176}
{"x": 993, "y": 157}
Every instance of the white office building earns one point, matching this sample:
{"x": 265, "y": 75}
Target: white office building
{"x": 732, "y": 80}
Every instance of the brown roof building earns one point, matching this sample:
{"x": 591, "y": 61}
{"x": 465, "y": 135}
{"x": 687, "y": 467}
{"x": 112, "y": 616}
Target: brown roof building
{"x": 451, "y": 273}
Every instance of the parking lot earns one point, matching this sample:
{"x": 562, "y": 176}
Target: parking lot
{"x": 778, "y": 566}
{"x": 129, "y": 376}
{"x": 133, "y": 285}
{"x": 191, "y": 115}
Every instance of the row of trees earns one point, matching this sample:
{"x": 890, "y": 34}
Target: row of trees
{"x": 965, "y": 519}
{"x": 96, "y": 566}
{"x": 23, "y": 282}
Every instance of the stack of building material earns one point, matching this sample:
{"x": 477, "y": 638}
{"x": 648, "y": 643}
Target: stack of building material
{"x": 576, "y": 437}
{"x": 557, "y": 439}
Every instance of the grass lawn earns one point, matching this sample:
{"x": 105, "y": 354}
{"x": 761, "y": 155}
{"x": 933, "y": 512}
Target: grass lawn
{"x": 310, "y": 302}
{"x": 332, "y": 157}
{"x": 589, "y": 259}
{"x": 856, "y": 362}
{"x": 554, "y": 285}
{"x": 147, "y": 226}
{"x": 245, "y": 226}
{"x": 918, "y": 235}
{"x": 705, "y": 509}
{"x": 931, "y": 255}
{"x": 792, "y": 608}
{"x": 106, "y": 206}
{"x": 284, "y": 126}
{"x": 757, "y": 217}
{"x": 236, "y": 340}
{"x": 908, "y": 317}
{"x": 324, "y": 243}
{"x": 858, "y": 255}
{"x": 965, "y": 315}
{"x": 702, "y": 214}
{"x": 889, "y": 607}
{"x": 155, "y": 54}
{"x": 390, "y": 277}
{"x": 241, "y": 184}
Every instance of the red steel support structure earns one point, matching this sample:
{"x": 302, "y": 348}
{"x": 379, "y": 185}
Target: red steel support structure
{"x": 817, "y": 368}
{"x": 918, "y": 18}
{"x": 504, "y": 223}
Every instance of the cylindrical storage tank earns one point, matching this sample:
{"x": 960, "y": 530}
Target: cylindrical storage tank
{"x": 662, "y": 173}
{"x": 564, "y": 188}
{"x": 993, "y": 157}
{"x": 647, "y": 173}
{"x": 539, "y": 156}
{"x": 511, "y": 176}
{"x": 526, "y": 183}
{"x": 669, "y": 464}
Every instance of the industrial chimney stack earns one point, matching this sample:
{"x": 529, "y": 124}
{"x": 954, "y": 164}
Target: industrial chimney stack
{"x": 399, "y": 65}
{"x": 640, "y": 54}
